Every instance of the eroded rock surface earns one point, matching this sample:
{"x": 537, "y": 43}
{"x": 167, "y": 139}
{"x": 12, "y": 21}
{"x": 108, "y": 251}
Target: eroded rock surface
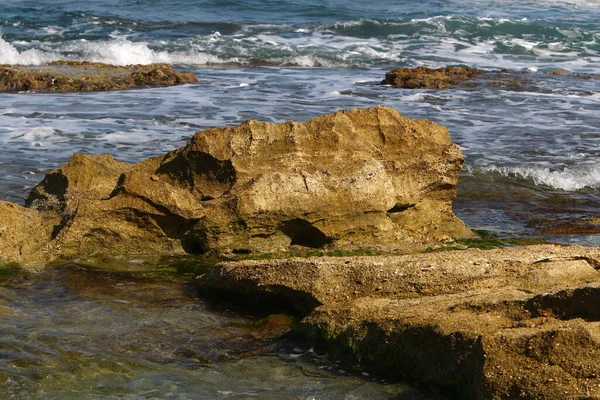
{"x": 23, "y": 234}
{"x": 365, "y": 178}
{"x": 499, "y": 324}
{"x": 72, "y": 76}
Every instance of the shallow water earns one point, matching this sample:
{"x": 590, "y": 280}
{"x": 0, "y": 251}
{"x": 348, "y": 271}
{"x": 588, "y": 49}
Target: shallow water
{"x": 83, "y": 332}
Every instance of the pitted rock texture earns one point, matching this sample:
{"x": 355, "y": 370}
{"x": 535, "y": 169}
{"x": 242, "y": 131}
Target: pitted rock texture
{"x": 365, "y": 178}
{"x": 23, "y": 233}
{"x": 499, "y": 324}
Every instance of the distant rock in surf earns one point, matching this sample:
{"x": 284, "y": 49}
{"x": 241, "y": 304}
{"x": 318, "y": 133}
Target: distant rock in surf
{"x": 465, "y": 77}
{"x": 72, "y": 76}
{"x": 428, "y": 78}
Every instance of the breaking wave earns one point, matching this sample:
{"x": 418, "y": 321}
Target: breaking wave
{"x": 567, "y": 179}
{"x": 434, "y": 41}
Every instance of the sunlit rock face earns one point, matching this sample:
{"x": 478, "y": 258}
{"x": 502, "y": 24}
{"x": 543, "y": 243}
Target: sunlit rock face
{"x": 365, "y": 178}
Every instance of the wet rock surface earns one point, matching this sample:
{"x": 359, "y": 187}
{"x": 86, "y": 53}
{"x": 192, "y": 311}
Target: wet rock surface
{"x": 428, "y": 78}
{"x": 72, "y": 76}
{"x": 365, "y": 178}
{"x": 466, "y": 78}
{"x": 497, "y": 324}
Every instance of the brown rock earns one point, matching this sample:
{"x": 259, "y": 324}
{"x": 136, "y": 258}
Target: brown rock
{"x": 498, "y": 324}
{"x": 427, "y": 78}
{"x": 366, "y": 178}
{"x": 72, "y": 76}
{"x": 467, "y": 78}
{"x": 84, "y": 177}
{"x": 23, "y": 234}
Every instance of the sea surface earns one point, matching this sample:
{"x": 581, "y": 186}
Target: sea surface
{"x": 531, "y": 152}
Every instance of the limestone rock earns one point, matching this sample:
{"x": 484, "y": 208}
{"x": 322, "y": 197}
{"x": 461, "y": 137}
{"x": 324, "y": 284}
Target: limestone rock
{"x": 497, "y": 324}
{"x": 365, "y": 178}
{"x": 23, "y": 233}
{"x": 84, "y": 177}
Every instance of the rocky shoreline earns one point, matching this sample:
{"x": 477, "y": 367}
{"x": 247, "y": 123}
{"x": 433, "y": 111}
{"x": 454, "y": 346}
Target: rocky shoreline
{"x": 497, "y": 324}
{"x": 464, "y": 78}
{"x": 505, "y": 323}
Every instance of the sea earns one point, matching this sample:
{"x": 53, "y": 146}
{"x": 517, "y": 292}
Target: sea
{"x": 531, "y": 152}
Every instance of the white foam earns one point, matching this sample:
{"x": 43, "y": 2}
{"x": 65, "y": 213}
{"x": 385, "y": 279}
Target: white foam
{"x": 10, "y": 55}
{"x": 117, "y": 52}
{"x": 43, "y": 136}
{"x": 567, "y": 179}
{"x": 120, "y": 52}
{"x": 420, "y": 96}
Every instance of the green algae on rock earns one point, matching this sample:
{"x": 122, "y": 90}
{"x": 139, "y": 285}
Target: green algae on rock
{"x": 73, "y": 76}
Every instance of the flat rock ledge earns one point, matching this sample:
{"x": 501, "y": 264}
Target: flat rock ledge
{"x": 73, "y": 76}
{"x": 498, "y": 324}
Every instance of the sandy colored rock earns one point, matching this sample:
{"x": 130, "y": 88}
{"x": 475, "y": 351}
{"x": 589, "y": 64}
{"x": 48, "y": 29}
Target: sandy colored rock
{"x": 72, "y": 76}
{"x": 498, "y": 324}
{"x": 365, "y": 178}
{"x": 23, "y": 234}
{"x": 84, "y": 177}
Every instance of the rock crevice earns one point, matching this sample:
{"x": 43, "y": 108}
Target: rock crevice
{"x": 338, "y": 181}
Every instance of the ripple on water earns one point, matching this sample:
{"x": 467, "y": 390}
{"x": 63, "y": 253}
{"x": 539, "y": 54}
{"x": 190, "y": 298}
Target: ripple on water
{"x": 83, "y": 332}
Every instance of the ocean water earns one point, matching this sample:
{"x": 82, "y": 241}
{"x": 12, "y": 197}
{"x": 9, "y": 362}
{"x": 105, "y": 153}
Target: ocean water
{"x": 531, "y": 152}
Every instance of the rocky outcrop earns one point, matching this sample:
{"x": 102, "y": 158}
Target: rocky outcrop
{"x": 365, "y": 178}
{"x": 428, "y": 78}
{"x": 72, "y": 76}
{"x": 465, "y": 78}
{"x": 499, "y": 324}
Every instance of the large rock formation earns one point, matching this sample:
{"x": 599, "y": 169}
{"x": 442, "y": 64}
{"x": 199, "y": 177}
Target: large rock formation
{"x": 365, "y": 178}
{"x": 73, "y": 76}
{"x": 499, "y": 324}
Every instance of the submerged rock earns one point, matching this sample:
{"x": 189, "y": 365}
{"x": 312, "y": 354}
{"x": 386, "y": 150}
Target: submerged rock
{"x": 498, "y": 324}
{"x": 72, "y": 76}
{"x": 365, "y": 178}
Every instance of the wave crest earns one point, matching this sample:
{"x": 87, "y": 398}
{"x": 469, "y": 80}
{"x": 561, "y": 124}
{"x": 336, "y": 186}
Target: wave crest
{"x": 567, "y": 179}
